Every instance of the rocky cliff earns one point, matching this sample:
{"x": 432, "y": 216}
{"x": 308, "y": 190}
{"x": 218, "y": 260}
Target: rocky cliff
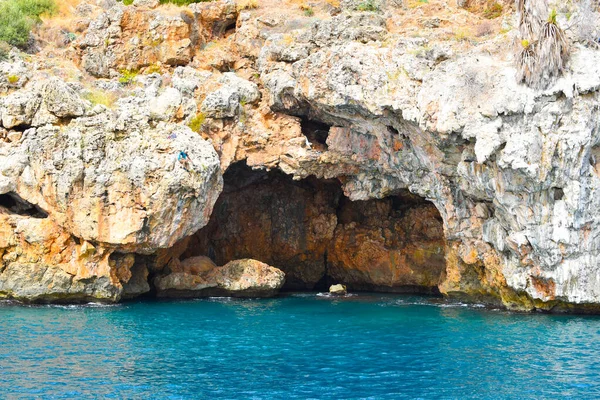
{"x": 404, "y": 154}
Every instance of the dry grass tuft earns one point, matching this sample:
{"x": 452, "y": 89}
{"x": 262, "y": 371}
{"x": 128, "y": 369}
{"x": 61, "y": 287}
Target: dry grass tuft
{"x": 545, "y": 48}
{"x": 484, "y": 29}
{"x": 246, "y": 5}
{"x": 106, "y": 99}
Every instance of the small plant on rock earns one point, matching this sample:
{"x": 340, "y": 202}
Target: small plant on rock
{"x": 367, "y": 5}
{"x": 553, "y": 46}
{"x": 526, "y": 63}
{"x": 106, "y": 99}
{"x": 197, "y": 122}
{"x": 4, "y": 50}
{"x": 153, "y": 69}
{"x": 545, "y": 47}
{"x": 127, "y": 76}
{"x": 308, "y": 10}
{"x": 12, "y": 79}
{"x": 246, "y": 5}
{"x": 494, "y": 11}
{"x": 462, "y": 35}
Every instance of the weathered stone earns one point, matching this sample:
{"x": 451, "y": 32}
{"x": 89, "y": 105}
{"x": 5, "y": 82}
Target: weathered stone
{"x": 227, "y": 101}
{"x": 357, "y": 99}
{"x": 239, "y": 278}
{"x": 338, "y": 290}
{"x": 165, "y": 106}
{"x": 146, "y": 3}
{"x": 61, "y": 100}
{"x": 43, "y": 263}
{"x": 111, "y": 177}
{"x": 132, "y": 38}
{"x": 19, "y": 108}
{"x": 388, "y": 245}
{"x": 272, "y": 219}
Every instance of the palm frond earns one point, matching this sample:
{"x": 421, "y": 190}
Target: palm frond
{"x": 526, "y": 65}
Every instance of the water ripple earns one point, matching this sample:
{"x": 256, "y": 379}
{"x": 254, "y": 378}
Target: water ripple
{"x": 296, "y": 347}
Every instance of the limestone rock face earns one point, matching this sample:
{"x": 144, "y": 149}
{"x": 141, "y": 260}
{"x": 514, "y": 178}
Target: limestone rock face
{"x": 114, "y": 179}
{"x": 239, "y": 278}
{"x": 512, "y": 170}
{"x": 82, "y": 187}
{"x": 315, "y": 235}
{"x": 131, "y": 38}
{"x": 227, "y": 101}
{"x": 43, "y": 263}
{"x": 346, "y": 96}
{"x": 379, "y": 246}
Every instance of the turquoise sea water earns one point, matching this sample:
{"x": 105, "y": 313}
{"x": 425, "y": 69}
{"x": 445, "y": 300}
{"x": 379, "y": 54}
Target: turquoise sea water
{"x": 295, "y": 347}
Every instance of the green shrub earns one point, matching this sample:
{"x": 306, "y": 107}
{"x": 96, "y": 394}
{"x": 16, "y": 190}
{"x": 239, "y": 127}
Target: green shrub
{"x": 106, "y": 99}
{"x": 14, "y": 25}
{"x": 127, "y": 76}
{"x": 197, "y": 122}
{"x": 36, "y": 8}
{"x": 367, "y": 5}
{"x": 494, "y": 11}
{"x": 127, "y": 2}
{"x": 152, "y": 69}
{"x": 308, "y": 11}
{"x": 17, "y": 17}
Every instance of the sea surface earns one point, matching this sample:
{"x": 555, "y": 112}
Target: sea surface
{"x": 300, "y": 346}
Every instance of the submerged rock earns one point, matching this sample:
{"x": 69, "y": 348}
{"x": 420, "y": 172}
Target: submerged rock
{"x": 239, "y": 278}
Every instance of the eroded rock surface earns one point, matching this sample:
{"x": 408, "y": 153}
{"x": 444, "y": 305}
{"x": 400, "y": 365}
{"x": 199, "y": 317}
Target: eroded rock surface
{"x": 107, "y": 177}
{"x": 378, "y": 101}
{"x": 132, "y": 38}
{"x": 41, "y": 262}
{"x": 239, "y": 278}
{"x": 83, "y": 187}
{"x": 309, "y": 230}
{"x": 394, "y": 244}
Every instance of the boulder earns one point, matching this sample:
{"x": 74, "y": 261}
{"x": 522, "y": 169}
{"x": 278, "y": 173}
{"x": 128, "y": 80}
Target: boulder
{"x": 338, "y": 290}
{"x": 239, "y": 278}
{"x": 165, "y": 106}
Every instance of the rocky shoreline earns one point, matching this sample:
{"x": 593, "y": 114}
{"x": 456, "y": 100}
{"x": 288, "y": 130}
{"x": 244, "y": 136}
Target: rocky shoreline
{"x": 297, "y": 150}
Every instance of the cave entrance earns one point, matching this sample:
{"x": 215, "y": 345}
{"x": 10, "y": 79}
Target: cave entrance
{"x": 316, "y": 133}
{"x": 14, "y": 204}
{"x": 317, "y": 236}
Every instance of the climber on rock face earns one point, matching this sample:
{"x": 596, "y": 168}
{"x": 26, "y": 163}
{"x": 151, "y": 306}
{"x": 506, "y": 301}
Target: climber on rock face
{"x": 183, "y": 158}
